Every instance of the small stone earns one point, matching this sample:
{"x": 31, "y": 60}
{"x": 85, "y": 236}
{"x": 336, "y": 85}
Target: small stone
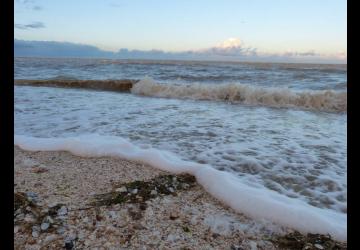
{"x": 48, "y": 219}
{"x": 236, "y": 247}
{"x": 16, "y": 229}
{"x": 52, "y": 205}
{"x": 135, "y": 191}
{"x": 20, "y": 216}
{"x": 318, "y": 246}
{"x": 174, "y": 216}
{"x": 112, "y": 214}
{"x": 60, "y": 230}
{"x": 44, "y": 226}
{"x": 308, "y": 246}
{"x": 172, "y": 238}
{"x": 122, "y": 189}
{"x": 63, "y": 217}
{"x": 253, "y": 245}
{"x": 71, "y": 237}
{"x": 29, "y": 218}
{"x": 153, "y": 192}
{"x": 44, "y": 211}
{"x": 62, "y": 211}
{"x": 35, "y": 234}
{"x": 171, "y": 190}
{"x": 31, "y": 195}
{"x": 50, "y": 238}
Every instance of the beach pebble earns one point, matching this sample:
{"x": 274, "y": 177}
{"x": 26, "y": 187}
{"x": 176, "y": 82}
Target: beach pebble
{"x": 35, "y": 234}
{"x": 172, "y": 238}
{"x": 318, "y": 246}
{"x": 48, "y": 219}
{"x": 49, "y": 238}
{"x": 253, "y": 245}
{"x": 62, "y": 211}
{"x": 31, "y": 196}
{"x": 112, "y": 214}
{"x": 44, "y": 226}
{"x": 171, "y": 190}
{"x": 135, "y": 191}
{"x": 29, "y": 218}
{"x": 60, "y": 230}
{"x": 153, "y": 192}
{"x": 121, "y": 189}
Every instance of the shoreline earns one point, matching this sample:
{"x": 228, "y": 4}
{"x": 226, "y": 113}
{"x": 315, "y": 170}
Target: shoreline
{"x": 183, "y": 218}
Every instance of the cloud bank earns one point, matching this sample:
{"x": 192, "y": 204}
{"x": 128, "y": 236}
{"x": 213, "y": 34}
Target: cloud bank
{"x": 33, "y": 25}
{"x": 232, "y": 49}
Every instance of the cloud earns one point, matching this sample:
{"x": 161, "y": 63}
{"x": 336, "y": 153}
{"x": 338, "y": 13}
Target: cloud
{"x": 58, "y": 49}
{"x": 295, "y": 53}
{"x": 33, "y": 25}
{"x": 29, "y": 4}
{"x": 232, "y": 49}
{"x": 37, "y": 7}
{"x": 25, "y": 1}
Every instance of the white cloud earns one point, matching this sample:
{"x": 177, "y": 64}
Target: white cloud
{"x": 230, "y": 43}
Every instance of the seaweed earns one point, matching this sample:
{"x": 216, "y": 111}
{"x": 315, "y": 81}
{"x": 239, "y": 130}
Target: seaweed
{"x": 140, "y": 191}
{"x": 310, "y": 241}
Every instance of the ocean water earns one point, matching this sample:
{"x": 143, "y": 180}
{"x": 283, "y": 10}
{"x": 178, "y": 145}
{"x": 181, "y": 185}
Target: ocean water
{"x": 274, "y": 132}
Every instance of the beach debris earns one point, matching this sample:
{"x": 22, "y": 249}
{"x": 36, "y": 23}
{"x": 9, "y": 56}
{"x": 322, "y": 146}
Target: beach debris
{"x": 30, "y": 216}
{"x": 173, "y": 215}
{"x": 141, "y": 191}
{"x": 186, "y": 229}
{"x": 39, "y": 170}
{"x": 310, "y": 241}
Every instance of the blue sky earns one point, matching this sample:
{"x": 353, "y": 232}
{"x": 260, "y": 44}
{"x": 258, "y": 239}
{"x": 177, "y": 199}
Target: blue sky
{"x": 279, "y": 27}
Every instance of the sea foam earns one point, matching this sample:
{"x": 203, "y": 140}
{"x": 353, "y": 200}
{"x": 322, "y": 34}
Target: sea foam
{"x": 327, "y": 100}
{"x": 255, "y": 202}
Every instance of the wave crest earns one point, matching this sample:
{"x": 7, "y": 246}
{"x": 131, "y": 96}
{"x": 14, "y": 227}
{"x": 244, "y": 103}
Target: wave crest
{"x": 327, "y": 100}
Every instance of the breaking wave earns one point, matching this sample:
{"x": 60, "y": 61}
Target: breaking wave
{"x": 327, "y": 100}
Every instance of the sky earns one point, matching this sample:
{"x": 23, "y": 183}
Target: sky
{"x": 307, "y": 29}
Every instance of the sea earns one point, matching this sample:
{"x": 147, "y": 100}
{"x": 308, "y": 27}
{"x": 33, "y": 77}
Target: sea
{"x": 268, "y": 139}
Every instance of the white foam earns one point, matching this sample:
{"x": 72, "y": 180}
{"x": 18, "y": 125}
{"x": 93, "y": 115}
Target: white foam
{"x": 252, "y": 201}
{"x": 241, "y": 93}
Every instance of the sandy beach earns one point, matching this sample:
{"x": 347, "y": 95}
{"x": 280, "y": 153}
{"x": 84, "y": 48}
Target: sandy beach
{"x": 62, "y": 200}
